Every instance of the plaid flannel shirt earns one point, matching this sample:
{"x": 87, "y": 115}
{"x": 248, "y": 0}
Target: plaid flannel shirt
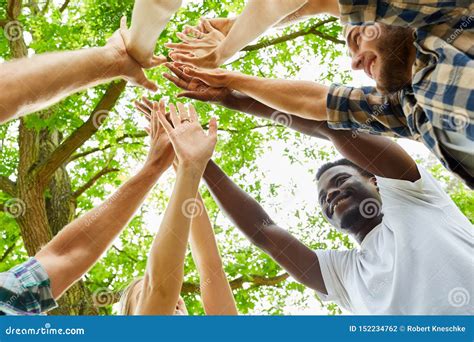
{"x": 25, "y": 290}
{"x": 442, "y": 91}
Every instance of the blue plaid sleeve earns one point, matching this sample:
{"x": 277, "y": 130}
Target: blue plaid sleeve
{"x": 364, "y": 109}
{"x": 414, "y": 13}
{"x": 26, "y": 290}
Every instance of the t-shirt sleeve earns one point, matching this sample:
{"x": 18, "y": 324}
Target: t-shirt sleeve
{"x": 364, "y": 109}
{"x": 335, "y": 266}
{"x": 415, "y": 13}
{"x": 426, "y": 189}
{"x": 26, "y": 290}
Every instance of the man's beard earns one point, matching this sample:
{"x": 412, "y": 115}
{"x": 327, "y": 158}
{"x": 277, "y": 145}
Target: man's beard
{"x": 395, "y": 46}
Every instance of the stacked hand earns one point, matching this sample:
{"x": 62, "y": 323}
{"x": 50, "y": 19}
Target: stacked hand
{"x": 194, "y": 87}
{"x": 192, "y": 146}
{"x": 200, "y": 44}
{"x": 130, "y": 68}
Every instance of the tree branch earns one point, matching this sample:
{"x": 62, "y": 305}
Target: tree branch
{"x": 144, "y": 134}
{"x": 312, "y": 30}
{"x": 7, "y": 186}
{"x": 97, "y": 149}
{"x": 190, "y": 288}
{"x": 64, "y": 6}
{"x": 45, "y": 7}
{"x": 90, "y": 183}
{"x": 42, "y": 172}
{"x": 238, "y": 283}
{"x": 3, "y": 22}
{"x": 9, "y": 249}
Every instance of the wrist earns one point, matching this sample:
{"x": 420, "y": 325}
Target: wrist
{"x": 153, "y": 169}
{"x": 192, "y": 167}
{"x": 114, "y": 60}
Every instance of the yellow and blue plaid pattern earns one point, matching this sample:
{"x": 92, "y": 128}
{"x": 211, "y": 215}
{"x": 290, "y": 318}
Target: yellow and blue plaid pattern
{"x": 441, "y": 94}
{"x": 25, "y": 290}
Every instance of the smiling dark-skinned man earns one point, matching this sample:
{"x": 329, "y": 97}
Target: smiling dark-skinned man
{"x": 415, "y": 246}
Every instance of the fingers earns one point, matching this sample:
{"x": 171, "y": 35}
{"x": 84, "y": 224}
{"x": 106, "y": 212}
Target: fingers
{"x": 174, "y": 116}
{"x": 153, "y": 123}
{"x": 183, "y": 113}
{"x": 178, "y": 72}
{"x": 212, "y": 132}
{"x": 182, "y": 58}
{"x": 193, "y": 114}
{"x": 158, "y": 60}
{"x": 181, "y": 46}
{"x": 207, "y": 25}
{"x": 185, "y": 38}
{"x": 202, "y": 75}
{"x": 142, "y": 108}
{"x": 147, "y": 103}
{"x": 123, "y": 23}
{"x": 193, "y": 30}
{"x": 141, "y": 80}
{"x": 164, "y": 122}
{"x": 177, "y": 81}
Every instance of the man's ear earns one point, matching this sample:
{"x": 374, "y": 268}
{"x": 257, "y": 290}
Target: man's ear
{"x": 373, "y": 180}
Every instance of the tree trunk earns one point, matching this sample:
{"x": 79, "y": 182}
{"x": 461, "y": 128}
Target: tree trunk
{"x": 38, "y": 221}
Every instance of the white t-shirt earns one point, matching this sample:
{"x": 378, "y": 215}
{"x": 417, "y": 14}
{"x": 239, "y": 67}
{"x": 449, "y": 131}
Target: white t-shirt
{"x": 418, "y": 261}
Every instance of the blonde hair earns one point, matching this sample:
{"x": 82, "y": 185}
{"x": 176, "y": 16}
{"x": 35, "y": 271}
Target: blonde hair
{"x": 125, "y": 299}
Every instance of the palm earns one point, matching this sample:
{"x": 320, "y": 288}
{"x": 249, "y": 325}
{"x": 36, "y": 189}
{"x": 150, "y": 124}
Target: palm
{"x": 191, "y": 143}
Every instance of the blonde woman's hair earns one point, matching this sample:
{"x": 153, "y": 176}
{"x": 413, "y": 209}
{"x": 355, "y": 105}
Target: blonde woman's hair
{"x": 125, "y": 299}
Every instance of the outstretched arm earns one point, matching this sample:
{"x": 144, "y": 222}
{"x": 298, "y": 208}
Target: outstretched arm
{"x": 216, "y": 293}
{"x": 250, "y": 218}
{"x": 149, "y": 18}
{"x": 373, "y": 153}
{"x": 79, "y": 245}
{"x": 257, "y": 17}
{"x": 302, "y": 98}
{"x": 164, "y": 275}
{"x": 31, "y": 84}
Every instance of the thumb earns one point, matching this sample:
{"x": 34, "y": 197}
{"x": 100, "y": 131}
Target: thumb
{"x": 123, "y": 23}
{"x": 147, "y": 84}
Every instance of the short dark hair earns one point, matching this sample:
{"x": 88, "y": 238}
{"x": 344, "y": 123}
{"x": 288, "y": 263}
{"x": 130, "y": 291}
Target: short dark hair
{"x": 344, "y": 162}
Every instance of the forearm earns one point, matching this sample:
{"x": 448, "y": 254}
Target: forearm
{"x": 216, "y": 293}
{"x": 246, "y": 104}
{"x": 301, "y": 98}
{"x": 247, "y": 215}
{"x": 312, "y": 8}
{"x": 164, "y": 274}
{"x": 255, "y": 19}
{"x": 81, "y": 243}
{"x": 149, "y": 18}
{"x": 31, "y": 84}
